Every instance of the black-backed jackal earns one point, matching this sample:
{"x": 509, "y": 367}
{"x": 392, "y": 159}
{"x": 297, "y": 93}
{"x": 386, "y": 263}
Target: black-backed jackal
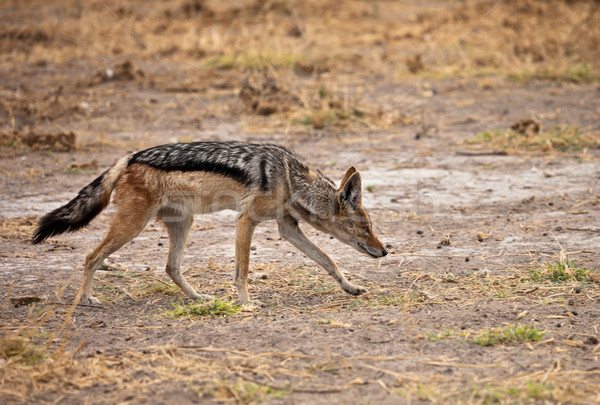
{"x": 174, "y": 182}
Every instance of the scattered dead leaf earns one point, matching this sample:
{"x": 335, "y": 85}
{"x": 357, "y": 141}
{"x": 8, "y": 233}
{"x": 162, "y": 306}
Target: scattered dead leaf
{"x": 446, "y": 241}
{"x": 526, "y": 126}
{"x": 125, "y": 71}
{"x": 415, "y": 64}
{"x": 481, "y": 235}
{"x": 27, "y": 299}
{"x": 92, "y": 165}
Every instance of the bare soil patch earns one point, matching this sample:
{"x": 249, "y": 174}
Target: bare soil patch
{"x": 490, "y": 293}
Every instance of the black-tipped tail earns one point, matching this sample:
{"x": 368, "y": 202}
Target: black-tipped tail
{"x": 76, "y": 214}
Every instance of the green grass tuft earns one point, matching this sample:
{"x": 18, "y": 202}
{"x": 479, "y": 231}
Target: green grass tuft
{"x": 562, "y": 271}
{"x": 245, "y": 392}
{"x": 510, "y": 334}
{"x": 433, "y": 337}
{"x": 530, "y": 392}
{"x": 203, "y": 308}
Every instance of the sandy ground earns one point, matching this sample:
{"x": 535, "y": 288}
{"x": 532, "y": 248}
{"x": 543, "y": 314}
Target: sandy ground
{"x": 468, "y": 226}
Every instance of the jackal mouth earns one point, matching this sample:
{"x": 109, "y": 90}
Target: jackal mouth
{"x": 367, "y": 251}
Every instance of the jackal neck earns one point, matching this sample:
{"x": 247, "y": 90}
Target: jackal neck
{"x": 312, "y": 194}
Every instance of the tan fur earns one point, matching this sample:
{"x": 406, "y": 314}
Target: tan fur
{"x": 142, "y": 193}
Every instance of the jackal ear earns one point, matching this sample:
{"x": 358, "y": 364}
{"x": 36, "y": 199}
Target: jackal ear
{"x": 351, "y": 192}
{"x": 349, "y": 173}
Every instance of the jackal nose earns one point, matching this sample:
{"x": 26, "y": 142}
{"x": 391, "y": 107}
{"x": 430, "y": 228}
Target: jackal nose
{"x": 384, "y": 252}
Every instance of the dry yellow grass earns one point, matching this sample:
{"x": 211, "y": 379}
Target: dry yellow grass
{"x": 557, "y": 139}
{"x": 321, "y": 52}
{"x": 210, "y": 47}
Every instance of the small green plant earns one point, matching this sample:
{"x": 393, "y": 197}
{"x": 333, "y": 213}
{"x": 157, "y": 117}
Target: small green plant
{"x": 500, "y": 293}
{"x": 203, "y": 308}
{"x": 370, "y": 188}
{"x": 250, "y": 392}
{"x": 528, "y": 392}
{"x": 433, "y": 337}
{"x": 323, "y": 93}
{"x": 73, "y": 170}
{"x": 245, "y": 392}
{"x": 490, "y": 166}
{"x": 510, "y": 334}
{"x": 561, "y": 271}
{"x": 390, "y": 300}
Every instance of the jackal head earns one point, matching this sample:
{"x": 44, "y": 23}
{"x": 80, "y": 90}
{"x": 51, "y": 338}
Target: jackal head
{"x": 349, "y": 221}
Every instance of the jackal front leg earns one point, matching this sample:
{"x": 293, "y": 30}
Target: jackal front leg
{"x": 243, "y": 239}
{"x": 289, "y": 229}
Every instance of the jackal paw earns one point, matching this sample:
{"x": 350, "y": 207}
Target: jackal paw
{"x": 252, "y": 305}
{"x": 354, "y": 289}
{"x": 90, "y": 301}
{"x": 203, "y": 297}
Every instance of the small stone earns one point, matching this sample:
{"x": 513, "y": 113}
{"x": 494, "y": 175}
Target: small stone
{"x": 266, "y": 108}
{"x": 591, "y": 340}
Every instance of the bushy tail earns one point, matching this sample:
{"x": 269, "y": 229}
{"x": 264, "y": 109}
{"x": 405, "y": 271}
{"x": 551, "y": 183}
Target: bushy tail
{"x": 78, "y": 212}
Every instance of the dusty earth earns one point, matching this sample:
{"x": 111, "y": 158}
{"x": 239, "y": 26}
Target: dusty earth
{"x": 469, "y": 224}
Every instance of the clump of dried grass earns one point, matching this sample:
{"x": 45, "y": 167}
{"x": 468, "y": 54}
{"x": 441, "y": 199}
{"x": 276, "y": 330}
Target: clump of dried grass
{"x": 320, "y": 37}
{"x": 20, "y": 349}
{"x": 18, "y": 228}
{"x": 532, "y": 36}
{"x": 557, "y": 139}
{"x": 264, "y": 94}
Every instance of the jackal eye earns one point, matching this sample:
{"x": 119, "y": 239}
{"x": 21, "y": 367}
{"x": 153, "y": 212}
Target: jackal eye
{"x": 366, "y": 228}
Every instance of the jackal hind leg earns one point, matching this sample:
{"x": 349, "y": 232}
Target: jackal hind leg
{"x": 178, "y": 228}
{"x": 126, "y": 225}
{"x": 289, "y": 230}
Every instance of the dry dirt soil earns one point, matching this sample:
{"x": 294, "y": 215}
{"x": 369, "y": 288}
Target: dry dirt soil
{"x": 490, "y": 292}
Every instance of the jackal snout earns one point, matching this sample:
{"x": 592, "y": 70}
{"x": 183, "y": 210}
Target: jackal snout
{"x": 366, "y": 241}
